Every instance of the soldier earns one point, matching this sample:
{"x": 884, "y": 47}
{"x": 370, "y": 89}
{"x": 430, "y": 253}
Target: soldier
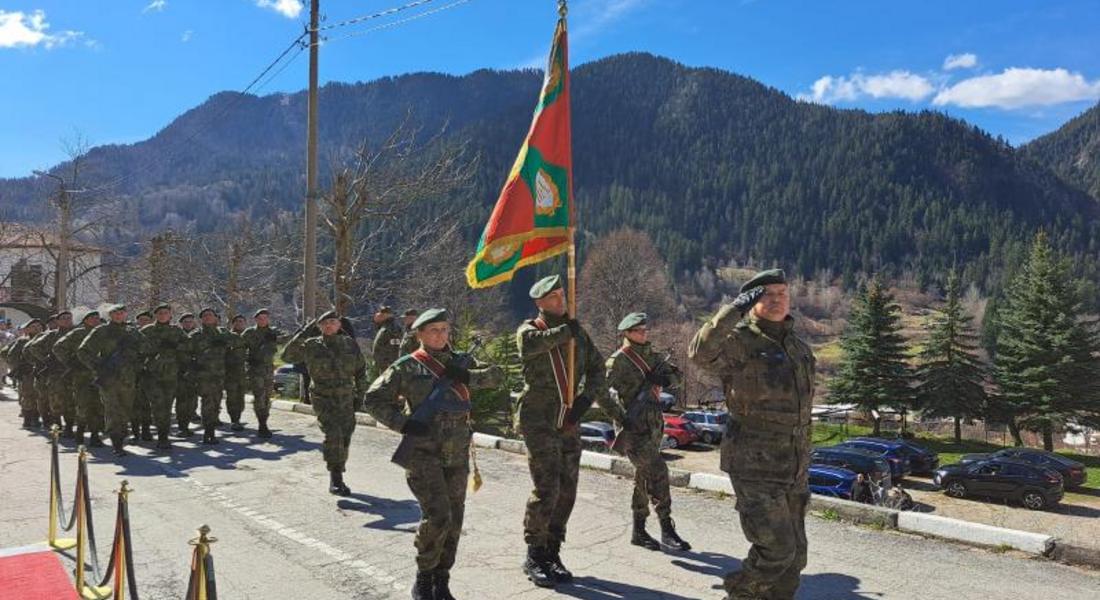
{"x": 387, "y": 342}
{"x": 637, "y": 375}
{"x": 39, "y": 378}
{"x": 409, "y": 342}
{"x": 187, "y": 393}
{"x": 51, "y": 376}
{"x": 549, "y": 424}
{"x": 89, "y": 409}
{"x": 439, "y": 463}
{"x": 114, "y": 352}
{"x": 21, "y": 373}
{"x": 337, "y": 380}
{"x": 209, "y": 346}
{"x": 768, "y": 373}
{"x": 235, "y": 377}
{"x": 262, "y": 341}
{"x": 142, "y": 415}
{"x": 167, "y": 348}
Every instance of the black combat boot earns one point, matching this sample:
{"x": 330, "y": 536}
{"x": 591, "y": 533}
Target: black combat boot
{"x": 118, "y": 442}
{"x": 236, "y": 418}
{"x": 78, "y": 437}
{"x": 162, "y": 440}
{"x": 537, "y": 568}
{"x": 94, "y": 441}
{"x": 442, "y": 585}
{"x": 67, "y": 433}
{"x": 263, "y": 432}
{"x": 422, "y": 589}
{"x": 184, "y": 430}
{"x": 336, "y": 484}
{"x": 27, "y": 422}
{"x": 209, "y": 436}
{"x": 553, "y": 560}
{"x": 146, "y": 433}
{"x": 135, "y": 429}
{"x": 669, "y": 538}
{"x": 640, "y": 537}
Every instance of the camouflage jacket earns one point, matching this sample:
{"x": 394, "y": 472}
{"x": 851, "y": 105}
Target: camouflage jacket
{"x": 540, "y": 404}
{"x": 118, "y": 344}
{"x": 769, "y": 384}
{"x": 209, "y": 347}
{"x": 65, "y": 351}
{"x": 409, "y": 343}
{"x": 40, "y": 350}
{"x": 639, "y": 413}
{"x": 262, "y": 344}
{"x": 387, "y": 344}
{"x": 236, "y": 355}
{"x": 18, "y": 367}
{"x": 334, "y": 362}
{"x": 400, "y": 389}
{"x": 169, "y": 347}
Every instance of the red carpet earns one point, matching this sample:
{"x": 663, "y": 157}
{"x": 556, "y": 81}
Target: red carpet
{"x": 35, "y": 576}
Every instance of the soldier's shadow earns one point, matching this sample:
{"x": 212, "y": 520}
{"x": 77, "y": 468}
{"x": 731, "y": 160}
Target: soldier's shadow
{"x": 818, "y": 586}
{"x": 226, "y": 454}
{"x": 393, "y": 513}
{"x": 593, "y": 588}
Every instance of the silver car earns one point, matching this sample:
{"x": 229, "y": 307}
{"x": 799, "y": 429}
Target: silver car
{"x": 710, "y": 423}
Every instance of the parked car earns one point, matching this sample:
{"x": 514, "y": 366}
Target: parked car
{"x": 597, "y": 435}
{"x": 895, "y": 453}
{"x": 832, "y": 481}
{"x": 680, "y": 432}
{"x": 1073, "y": 473}
{"x": 922, "y": 461}
{"x": 666, "y": 401}
{"x": 711, "y": 424}
{"x": 285, "y": 377}
{"x": 870, "y": 464}
{"x": 1033, "y": 486}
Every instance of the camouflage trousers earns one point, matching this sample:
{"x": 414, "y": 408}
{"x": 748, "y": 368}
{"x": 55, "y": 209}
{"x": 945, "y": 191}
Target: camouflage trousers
{"x": 187, "y": 401}
{"x": 60, "y": 393}
{"x": 118, "y": 400}
{"x": 42, "y": 399}
{"x": 235, "y": 385}
{"x": 262, "y": 383}
{"x": 160, "y": 393}
{"x": 554, "y": 459}
{"x": 650, "y": 476}
{"x": 142, "y": 412}
{"x": 210, "y": 393}
{"x": 773, "y": 519}
{"x": 335, "y": 410}
{"x": 439, "y": 485}
{"x": 28, "y": 400}
{"x": 89, "y": 407}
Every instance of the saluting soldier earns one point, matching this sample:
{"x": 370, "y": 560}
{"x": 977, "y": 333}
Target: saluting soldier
{"x": 262, "y": 340}
{"x": 236, "y": 379}
{"x": 114, "y": 352}
{"x": 168, "y": 346}
{"x": 636, "y": 374}
{"x": 409, "y": 342}
{"x": 387, "y": 342}
{"x": 89, "y": 408}
{"x": 549, "y": 424}
{"x": 187, "y": 391}
{"x": 209, "y": 347}
{"x": 142, "y": 416}
{"x": 768, "y": 374}
{"x": 21, "y": 368}
{"x": 338, "y": 378}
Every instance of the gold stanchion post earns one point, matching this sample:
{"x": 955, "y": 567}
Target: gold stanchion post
{"x": 55, "y": 496}
{"x": 119, "y": 550}
{"x": 89, "y": 592}
{"x": 198, "y": 588}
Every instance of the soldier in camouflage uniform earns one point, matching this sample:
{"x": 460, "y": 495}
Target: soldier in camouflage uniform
{"x": 21, "y": 373}
{"x": 439, "y": 465}
{"x": 338, "y": 378}
{"x": 636, "y": 375}
{"x": 409, "y": 342}
{"x": 209, "y": 347}
{"x": 768, "y": 374}
{"x": 50, "y": 374}
{"x": 167, "y": 346}
{"x": 115, "y": 352}
{"x": 262, "y": 341}
{"x": 387, "y": 342}
{"x": 187, "y": 391}
{"x": 549, "y": 425}
{"x": 89, "y": 408}
{"x": 142, "y": 415}
{"x": 236, "y": 379}
{"x": 39, "y": 378}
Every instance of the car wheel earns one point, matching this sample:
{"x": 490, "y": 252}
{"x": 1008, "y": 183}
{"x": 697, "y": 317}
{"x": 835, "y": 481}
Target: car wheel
{"x": 673, "y": 442}
{"x": 955, "y": 489}
{"x": 1033, "y": 500}
{"x": 710, "y": 438}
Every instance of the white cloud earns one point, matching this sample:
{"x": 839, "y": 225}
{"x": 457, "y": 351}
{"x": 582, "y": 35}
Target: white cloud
{"x": 960, "y": 61}
{"x": 288, "y": 8}
{"x": 1019, "y": 88}
{"x": 895, "y": 84}
{"x": 155, "y": 6}
{"x": 19, "y": 29}
{"x": 186, "y": 37}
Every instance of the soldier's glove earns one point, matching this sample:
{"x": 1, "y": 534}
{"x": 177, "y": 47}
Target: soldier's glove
{"x": 416, "y": 428}
{"x": 457, "y": 373}
{"x": 745, "y": 300}
{"x": 658, "y": 378}
{"x": 574, "y": 327}
{"x": 581, "y": 404}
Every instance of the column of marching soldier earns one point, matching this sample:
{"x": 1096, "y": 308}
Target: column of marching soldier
{"x": 421, "y": 388}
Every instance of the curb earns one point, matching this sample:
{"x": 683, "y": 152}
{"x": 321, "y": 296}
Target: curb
{"x": 933, "y": 526}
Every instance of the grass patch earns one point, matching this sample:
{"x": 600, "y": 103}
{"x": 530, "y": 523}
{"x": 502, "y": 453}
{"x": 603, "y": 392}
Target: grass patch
{"x": 830, "y": 515}
{"x": 1002, "y": 548}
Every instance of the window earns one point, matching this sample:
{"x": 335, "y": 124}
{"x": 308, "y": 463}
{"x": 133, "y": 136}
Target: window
{"x": 989, "y": 469}
{"x": 820, "y": 480}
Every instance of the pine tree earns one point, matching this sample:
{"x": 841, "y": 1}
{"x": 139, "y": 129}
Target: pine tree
{"x": 1045, "y": 365}
{"x": 951, "y": 375}
{"x": 873, "y": 371}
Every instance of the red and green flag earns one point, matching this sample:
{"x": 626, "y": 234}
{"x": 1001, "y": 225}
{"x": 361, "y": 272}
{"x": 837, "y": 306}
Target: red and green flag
{"x": 531, "y": 220}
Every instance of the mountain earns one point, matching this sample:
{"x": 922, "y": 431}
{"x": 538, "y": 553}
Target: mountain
{"x": 713, "y": 165}
{"x": 1073, "y": 151}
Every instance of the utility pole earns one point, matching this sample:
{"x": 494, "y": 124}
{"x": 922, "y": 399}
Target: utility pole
{"x": 65, "y": 217}
{"x": 309, "y": 287}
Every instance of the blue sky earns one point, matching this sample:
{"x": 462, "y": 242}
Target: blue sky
{"x": 120, "y": 70}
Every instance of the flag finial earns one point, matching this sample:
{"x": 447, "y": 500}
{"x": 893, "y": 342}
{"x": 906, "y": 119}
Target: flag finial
{"x": 563, "y": 8}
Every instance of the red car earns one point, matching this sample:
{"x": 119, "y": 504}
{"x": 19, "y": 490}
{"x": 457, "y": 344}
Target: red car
{"x": 679, "y": 432}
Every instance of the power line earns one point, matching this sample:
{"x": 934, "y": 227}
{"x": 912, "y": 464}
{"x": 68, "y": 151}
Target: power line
{"x": 398, "y": 22}
{"x": 377, "y": 15}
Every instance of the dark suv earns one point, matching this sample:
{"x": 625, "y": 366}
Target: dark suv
{"x": 896, "y": 454}
{"x": 1073, "y": 472}
{"x": 869, "y": 464}
{"x": 1009, "y": 479}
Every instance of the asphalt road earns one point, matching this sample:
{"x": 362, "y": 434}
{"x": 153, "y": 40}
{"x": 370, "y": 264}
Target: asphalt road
{"x": 280, "y": 534}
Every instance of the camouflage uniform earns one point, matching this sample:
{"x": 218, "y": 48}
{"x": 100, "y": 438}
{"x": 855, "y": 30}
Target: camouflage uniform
{"x": 409, "y": 343}
{"x": 89, "y": 408}
{"x": 39, "y": 359}
{"x": 167, "y": 345}
{"x": 209, "y": 345}
{"x": 387, "y": 345}
{"x": 187, "y": 391}
{"x": 768, "y": 375}
{"x": 114, "y": 351}
{"x": 262, "y": 344}
{"x": 53, "y": 378}
{"x": 20, "y": 372}
{"x": 440, "y": 463}
{"x": 337, "y": 373}
{"x": 236, "y": 379}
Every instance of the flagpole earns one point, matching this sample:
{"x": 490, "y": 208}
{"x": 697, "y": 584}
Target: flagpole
{"x": 571, "y": 369}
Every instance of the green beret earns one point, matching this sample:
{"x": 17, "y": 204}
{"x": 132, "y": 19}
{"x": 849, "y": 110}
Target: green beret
{"x": 544, "y": 286}
{"x": 185, "y": 316}
{"x": 32, "y": 322}
{"x": 412, "y": 312}
{"x": 116, "y": 308}
{"x": 385, "y": 309}
{"x": 88, "y": 313}
{"x": 328, "y": 315}
{"x": 769, "y": 277}
{"x": 144, "y": 313}
{"x": 262, "y": 311}
{"x": 207, "y": 310}
{"x": 635, "y": 319}
{"x": 235, "y": 317}
{"x": 432, "y": 315}
{"x": 52, "y": 317}
{"x": 162, "y": 306}
{"x": 63, "y": 313}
